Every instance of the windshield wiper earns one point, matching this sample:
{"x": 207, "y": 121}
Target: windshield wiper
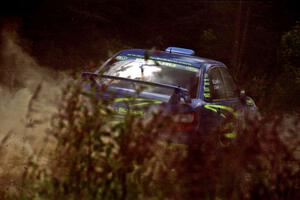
{"x": 179, "y": 92}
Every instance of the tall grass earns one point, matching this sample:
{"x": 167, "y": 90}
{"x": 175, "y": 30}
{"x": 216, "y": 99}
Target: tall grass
{"x": 99, "y": 156}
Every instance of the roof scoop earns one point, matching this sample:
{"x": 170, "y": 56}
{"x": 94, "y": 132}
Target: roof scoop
{"x": 180, "y": 51}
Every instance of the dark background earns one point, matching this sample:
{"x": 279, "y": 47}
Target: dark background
{"x": 245, "y": 35}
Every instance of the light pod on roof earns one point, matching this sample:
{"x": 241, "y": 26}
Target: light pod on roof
{"x": 180, "y": 51}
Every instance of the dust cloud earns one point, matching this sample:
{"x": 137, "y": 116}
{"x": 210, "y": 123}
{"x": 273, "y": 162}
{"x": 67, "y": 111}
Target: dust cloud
{"x": 28, "y": 96}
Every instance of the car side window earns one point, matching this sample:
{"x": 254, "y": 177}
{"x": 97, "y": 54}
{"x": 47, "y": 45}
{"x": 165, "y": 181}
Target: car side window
{"x": 216, "y": 84}
{"x": 230, "y": 87}
{"x": 219, "y": 85}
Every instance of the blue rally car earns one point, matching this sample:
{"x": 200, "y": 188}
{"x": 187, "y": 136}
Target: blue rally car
{"x": 199, "y": 92}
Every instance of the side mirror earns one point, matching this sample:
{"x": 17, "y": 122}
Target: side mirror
{"x": 242, "y": 93}
{"x": 243, "y": 96}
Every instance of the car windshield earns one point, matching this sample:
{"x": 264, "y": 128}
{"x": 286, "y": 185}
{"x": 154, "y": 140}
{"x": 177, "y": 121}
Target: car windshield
{"x": 152, "y": 71}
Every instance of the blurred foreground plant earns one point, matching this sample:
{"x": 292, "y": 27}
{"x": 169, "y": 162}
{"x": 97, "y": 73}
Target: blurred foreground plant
{"x": 262, "y": 163}
{"x": 101, "y": 156}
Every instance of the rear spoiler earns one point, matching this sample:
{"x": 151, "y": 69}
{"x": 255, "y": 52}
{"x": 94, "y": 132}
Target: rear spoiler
{"x": 184, "y": 93}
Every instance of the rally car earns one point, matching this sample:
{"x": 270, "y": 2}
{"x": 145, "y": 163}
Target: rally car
{"x": 199, "y": 92}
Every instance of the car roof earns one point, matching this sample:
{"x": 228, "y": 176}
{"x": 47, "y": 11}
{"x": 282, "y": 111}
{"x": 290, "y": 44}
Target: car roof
{"x": 193, "y": 61}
